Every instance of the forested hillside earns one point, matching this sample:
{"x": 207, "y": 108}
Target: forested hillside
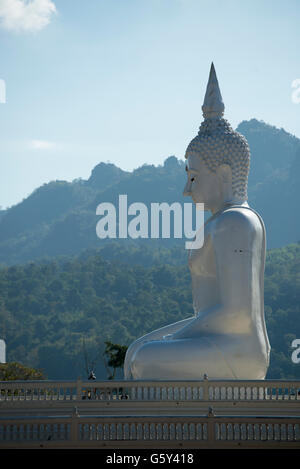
{"x": 48, "y": 309}
{"x": 59, "y": 218}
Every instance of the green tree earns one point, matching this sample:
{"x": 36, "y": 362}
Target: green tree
{"x": 16, "y": 371}
{"x": 115, "y": 354}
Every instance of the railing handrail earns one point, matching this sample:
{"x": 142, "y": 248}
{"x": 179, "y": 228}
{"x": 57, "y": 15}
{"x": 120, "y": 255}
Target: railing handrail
{"x": 120, "y": 383}
{"x": 110, "y": 418}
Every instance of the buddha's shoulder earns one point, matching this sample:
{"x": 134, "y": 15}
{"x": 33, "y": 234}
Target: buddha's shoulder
{"x": 239, "y": 218}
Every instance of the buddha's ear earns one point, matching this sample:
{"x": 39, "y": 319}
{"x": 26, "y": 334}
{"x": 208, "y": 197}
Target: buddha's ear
{"x": 224, "y": 173}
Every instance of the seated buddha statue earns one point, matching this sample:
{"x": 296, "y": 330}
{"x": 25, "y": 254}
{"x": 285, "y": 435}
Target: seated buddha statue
{"x": 226, "y": 337}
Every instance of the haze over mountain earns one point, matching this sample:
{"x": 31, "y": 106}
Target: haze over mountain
{"x": 59, "y": 218}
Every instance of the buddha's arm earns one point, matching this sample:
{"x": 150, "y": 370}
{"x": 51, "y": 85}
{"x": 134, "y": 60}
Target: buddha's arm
{"x": 237, "y": 240}
{"x": 158, "y": 334}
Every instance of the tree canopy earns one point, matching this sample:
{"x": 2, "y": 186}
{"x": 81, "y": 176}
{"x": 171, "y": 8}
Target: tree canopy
{"x": 48, "y": 308}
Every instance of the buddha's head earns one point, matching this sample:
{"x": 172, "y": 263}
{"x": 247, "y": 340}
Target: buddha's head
{"x": 218, "y": 158}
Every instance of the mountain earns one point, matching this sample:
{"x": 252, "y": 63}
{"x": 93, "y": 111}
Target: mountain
{"x": 274, "y": 178}
{"x": 59, "y": 218}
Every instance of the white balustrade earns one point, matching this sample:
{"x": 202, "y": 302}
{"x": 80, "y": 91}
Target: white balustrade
{"x": 150, "y": 390}
{"x": 133, "y": 413}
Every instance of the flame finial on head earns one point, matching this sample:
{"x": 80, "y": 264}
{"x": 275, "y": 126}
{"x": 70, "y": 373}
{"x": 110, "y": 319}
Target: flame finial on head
{"x": 213, "y": 106}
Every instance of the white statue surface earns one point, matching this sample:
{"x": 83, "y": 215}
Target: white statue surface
{"x": 226, "y": 338}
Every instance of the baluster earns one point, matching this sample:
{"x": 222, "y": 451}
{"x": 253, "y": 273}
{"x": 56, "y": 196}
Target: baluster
{"x": 112, "y": 432}
{"x": 236, "y": 431}
{"x": 85, "y": 431}
{"x": 283, "y": 392}
{"x": 250, "y": 431}
{"x": 92, "y": 432}
{"x": 15, "y": 432}
{"x": 205, "y": 432}
{"x": 146, "y": 431}
{"x": 22, "y": 432}
{"x": 191, "y": 431}
{"x": 270, "y": 433}
{"x": 41, "y": 432}
{"x": 255, "y": 431}
{"x": 165, "y": 429}
{"x": 4, "y": 432}
{"x": 125, "y": 432}
{"x": 133, "y": 435}
{"x": 106, "y": 431}
{"x": 264, "y": 432}
{"x": 289, "y": 432}
{"x": 283, "y": 432}
{"x": 133, "y": 393}
{"x": 152, "y": 432}
{"x": 229, "y": 431}
{"x": 63, "y": 431}
{"x": 243, "y": 432}
{"x": 159, "y": 431}
{"x": 199, "y": 431}
{"x": 297, "y": 432}
{"x": 46, "y": 434}
{"x": 266, "y": 394}
{"x": 185, "y": 431}
{"x": 217, "y": 431}
{"x": 100, "y": 431}
{"x": 139, "y": 431}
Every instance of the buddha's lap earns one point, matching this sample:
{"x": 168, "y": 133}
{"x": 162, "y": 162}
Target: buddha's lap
{"x": 195, "y": 357}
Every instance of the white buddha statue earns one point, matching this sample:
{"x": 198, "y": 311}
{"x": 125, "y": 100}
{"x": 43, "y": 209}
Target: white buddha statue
{"x": 226, "y": 338}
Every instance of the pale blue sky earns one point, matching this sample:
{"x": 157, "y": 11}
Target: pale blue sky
{"x": 124, "y": 80}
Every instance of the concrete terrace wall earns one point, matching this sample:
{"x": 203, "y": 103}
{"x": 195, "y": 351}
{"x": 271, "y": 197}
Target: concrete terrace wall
{"x": 150, "y": 414}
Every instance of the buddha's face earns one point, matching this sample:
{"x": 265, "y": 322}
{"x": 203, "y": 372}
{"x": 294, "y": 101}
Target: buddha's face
{"x": 202, "y": 184}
